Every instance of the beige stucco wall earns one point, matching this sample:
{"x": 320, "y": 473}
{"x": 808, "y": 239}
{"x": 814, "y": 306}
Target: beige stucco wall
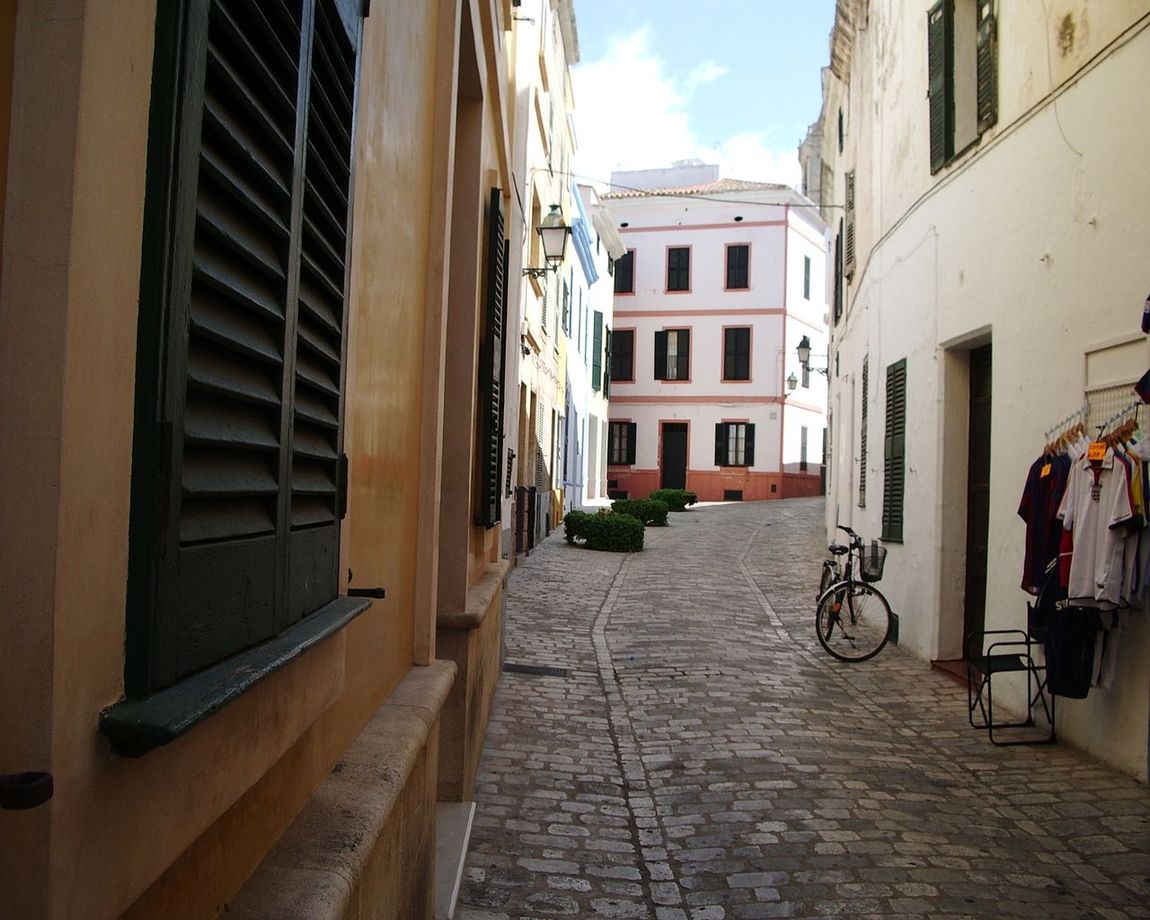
{"x": 188, "y": 822}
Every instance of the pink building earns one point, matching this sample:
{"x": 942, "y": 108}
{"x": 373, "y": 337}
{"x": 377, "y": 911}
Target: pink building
{"x": 722, "y": 281}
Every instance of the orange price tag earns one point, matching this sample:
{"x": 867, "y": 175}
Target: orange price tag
{"x": 1045, "y": 471}
{"x": 1096, "y": 451}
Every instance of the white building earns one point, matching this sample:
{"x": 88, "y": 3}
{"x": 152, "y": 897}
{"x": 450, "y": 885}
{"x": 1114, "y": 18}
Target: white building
{"x": 595, "y": 243}
{"x": 984, "y": 170}
{"x": 721, "y": 282}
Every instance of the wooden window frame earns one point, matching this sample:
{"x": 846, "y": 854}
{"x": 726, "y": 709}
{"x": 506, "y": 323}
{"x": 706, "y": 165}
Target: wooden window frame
{"x": 894, "y": 453}
{"x": 678, "y": 280}
{"x": 740, "y": 272}
{"x": 617, "y": 353}
{"x": 941, "y": 79}
{"x": 730, "y": 354}
{"x": 621, "y": 442}
{"x": 725, "y": 432}
{"x": 682, "y": 355}
{"x": 623, "y": 269}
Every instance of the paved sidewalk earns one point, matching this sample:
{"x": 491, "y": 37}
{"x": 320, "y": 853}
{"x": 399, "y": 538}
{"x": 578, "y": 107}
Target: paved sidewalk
{"x": 696, "y": 755}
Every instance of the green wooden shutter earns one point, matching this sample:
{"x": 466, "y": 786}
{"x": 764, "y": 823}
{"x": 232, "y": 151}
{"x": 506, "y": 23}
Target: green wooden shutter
{"x": 491, "y": 368}
{"x": 684, "y": 354}
{"x": 894, "y": 483}
{"x": 849, "y": 239}
{"x": 661, "y": 355}
{"x": 938, "y": 84}
{"x": 863, "y": 431}
{"x": 987, "y": 64}
{"x": 720, "y": 444}
{"x": 607, "y": 363}
{"x": 632, "y": 429}
{"x": 597, "y": 354}
{"x": 749, "y": 445}
{"x": 241, "y": 337}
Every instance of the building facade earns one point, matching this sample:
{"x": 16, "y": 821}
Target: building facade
{"x": 253, "y": 304}
{"x": 596, "y": 244}
{"x": 980, "y": 174}
{"x": 721, "y": 281}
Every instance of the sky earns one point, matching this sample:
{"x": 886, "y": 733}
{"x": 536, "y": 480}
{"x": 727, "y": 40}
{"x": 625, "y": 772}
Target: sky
{"x": 733, "y": 82}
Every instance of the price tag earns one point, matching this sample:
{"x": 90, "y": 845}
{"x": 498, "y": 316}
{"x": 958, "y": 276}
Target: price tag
{"x": 1045, "y": 471}
{"x": 1096, "y": 451}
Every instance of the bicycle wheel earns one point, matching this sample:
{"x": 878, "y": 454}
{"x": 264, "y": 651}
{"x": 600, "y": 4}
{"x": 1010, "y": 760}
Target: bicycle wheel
{"x": 853, "y": 621}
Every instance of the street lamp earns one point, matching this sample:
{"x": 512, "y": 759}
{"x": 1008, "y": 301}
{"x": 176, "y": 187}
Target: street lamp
{"x": 553, "y": 233}
{"x": 804, "y": 351}
{"x": 792, "y": 381}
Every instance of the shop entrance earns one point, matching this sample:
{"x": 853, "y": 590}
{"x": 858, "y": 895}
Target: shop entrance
{"x": 977, "y": 496}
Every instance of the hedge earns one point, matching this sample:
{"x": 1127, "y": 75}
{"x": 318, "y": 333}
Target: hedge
{"x": 652, "y": 512}
{"x": 676, "y": 499}
{"x": 613, "y": 533}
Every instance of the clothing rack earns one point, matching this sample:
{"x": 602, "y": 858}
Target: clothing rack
{"x": 1121, "y": 414}
{"x": 1079, "y": 415}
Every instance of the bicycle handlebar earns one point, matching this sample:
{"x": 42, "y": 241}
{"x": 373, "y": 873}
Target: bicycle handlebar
{"x": 855, "y": 538}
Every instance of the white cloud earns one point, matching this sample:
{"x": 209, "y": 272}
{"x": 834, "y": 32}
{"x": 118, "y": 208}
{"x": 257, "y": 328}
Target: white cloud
{"x": 631, "y": 113}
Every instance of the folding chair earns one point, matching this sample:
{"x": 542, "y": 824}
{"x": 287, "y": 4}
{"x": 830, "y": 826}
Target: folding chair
{"x": 1010, "y": 651}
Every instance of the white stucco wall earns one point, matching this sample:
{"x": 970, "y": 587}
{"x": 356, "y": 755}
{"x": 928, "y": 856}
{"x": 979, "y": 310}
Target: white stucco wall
{"x": 1033, "y": 242}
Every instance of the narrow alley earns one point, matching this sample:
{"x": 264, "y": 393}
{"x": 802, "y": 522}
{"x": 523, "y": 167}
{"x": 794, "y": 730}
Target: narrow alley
{"x": 668, "y": 741}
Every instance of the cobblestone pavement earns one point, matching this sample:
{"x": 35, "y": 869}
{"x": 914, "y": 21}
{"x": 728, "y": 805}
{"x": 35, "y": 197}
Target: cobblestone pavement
{"x": 698, "y": 756}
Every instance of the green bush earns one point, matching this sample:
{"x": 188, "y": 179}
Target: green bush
{"x": 614, "y": 533}
{"x": 652, "y": 512}
{"x": 676, "y": 499}
{"x": 574, "y": 525}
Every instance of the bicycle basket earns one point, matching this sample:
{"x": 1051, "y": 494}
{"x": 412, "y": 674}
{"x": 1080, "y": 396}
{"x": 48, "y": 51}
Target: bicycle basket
{"x": 872, "y": 559}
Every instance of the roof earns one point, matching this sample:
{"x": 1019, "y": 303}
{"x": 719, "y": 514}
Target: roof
{"x": 712, "y": 188}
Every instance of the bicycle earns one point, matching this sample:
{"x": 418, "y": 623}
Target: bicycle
{"x": 852, "y": 618}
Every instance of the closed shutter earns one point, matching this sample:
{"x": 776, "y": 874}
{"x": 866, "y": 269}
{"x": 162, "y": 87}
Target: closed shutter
{"x": 849, "y": 240}
{"x": 661, "y": 355}
{"x": 632, "y": 428}
{"x": 491, "y": 367}
{"x": 938, "y": 75}
{"x": 242, "y": 330}
{"x": 838, "y": 291}
{"x": 894, "y": 452}
{"x": 684, "y": 354}
{"x": 720, "y": 444}
{"x": 597, "y": 354}
{"x": 607, "y": 364}
{"x": 749, "y": 446}
{"x": 987, "y": 57}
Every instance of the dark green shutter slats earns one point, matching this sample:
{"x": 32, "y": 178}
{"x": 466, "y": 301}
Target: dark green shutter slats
{"x": 720, "y": 444}
{"x": 749, "y": 446}
{"x": 625, "y": 273}
{"x": 938, "y": 69}
{"x": 894, "y": 484}
{"x": 661, "y": 355}
{"x": 597, "y": 354}
{"x": 491, "y": 367}
{"x": 863, "y": 432}
{"x": 256, "y": 236}
{"x": 608, "y": 359}
{"x": 737, "y": 353}
{"x": 849, "y": 238}
{"x": 987, "y": 65}
{"x": 632, "y": 429}
{"x": 684, "y": 339}
{"x": 622, "y": 354}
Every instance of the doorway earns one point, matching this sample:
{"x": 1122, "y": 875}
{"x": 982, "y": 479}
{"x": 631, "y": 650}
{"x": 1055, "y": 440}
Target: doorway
{"x": 977, "y": 497}
{"x": 674, "y": 470}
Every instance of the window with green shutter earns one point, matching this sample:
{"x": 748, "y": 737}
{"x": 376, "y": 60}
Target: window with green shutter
{"x": 734, "y": 444}
{"x": 737, "y": 353}
{"x": 597, "y": 353}
{"x": 492, "y": 372}
{"x": 894, "y": 453}
{"x": 863, "y": 431}
{"x": 962, "y": 76}
{"x": 679, "y": 268}
{"x": 238, "y": 474}
{"x": 673, "y": 354}
{"x": 621, "y": 443}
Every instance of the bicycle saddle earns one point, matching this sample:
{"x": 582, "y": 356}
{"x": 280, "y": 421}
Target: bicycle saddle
{"x": 838, "y": 549}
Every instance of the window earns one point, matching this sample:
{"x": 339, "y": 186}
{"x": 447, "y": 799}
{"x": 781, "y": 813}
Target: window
{"x": 862, "y": 432}
{"x": 734, "y": 444}
{"x": 962, "y": 63}
{"x": 803, "y": 448}
{"x": 849, "y": 231}
{"x": 623, "y": 355}
{"x": 566, "y": 308}
{"x": 625, "y": 273}
{"x": 492, "y": 380}
{"x": 894, "y": 460}
{"x": 806, "y": 277}
{"x": 239, "y": 480}
{"x": 678, "y": 268}
{"x": 738, "y": 264}
{"x": 838, "y": 291}
{"x": 737, "y": 353}
{"x": 597, "y": 354}
{"x": 621, "y": 443}
{"x": 673, "y": 354}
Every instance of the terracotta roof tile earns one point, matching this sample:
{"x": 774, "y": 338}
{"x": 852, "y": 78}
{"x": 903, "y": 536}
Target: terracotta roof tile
{"x": 711, "y": 188}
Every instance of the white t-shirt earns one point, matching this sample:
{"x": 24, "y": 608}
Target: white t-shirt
{"x": 1094, "y": 515}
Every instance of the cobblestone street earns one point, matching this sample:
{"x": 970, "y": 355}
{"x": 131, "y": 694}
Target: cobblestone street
{"x": 670, "y": 742}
